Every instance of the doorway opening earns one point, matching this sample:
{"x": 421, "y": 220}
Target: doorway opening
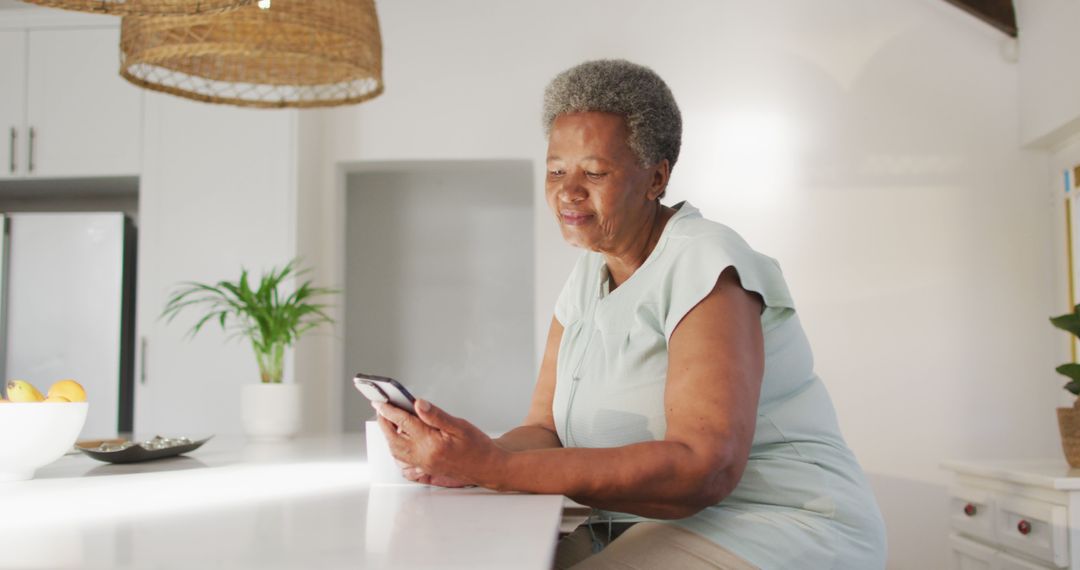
{"x": 439, "y": 285}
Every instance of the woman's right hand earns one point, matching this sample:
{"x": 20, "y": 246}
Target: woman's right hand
{"x": 417, "y": 475}
{"x": 539, "y": 431}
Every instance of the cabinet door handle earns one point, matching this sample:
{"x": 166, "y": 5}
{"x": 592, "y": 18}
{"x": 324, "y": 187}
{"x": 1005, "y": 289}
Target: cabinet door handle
{"x": 1023, "y": 527}
{"x": 31, "y": 161}
{"x": 11, "y": 151}
{"x": 142, "y": 361}
{"x": 970, "y": 510}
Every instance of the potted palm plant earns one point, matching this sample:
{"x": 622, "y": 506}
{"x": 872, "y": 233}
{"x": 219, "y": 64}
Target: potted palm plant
{"x": 271, "y": 321}
{"x": 1069, "y": 418}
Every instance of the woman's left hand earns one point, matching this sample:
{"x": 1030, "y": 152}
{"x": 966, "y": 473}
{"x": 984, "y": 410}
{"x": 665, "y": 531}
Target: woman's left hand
{"x": 439, "y": 444}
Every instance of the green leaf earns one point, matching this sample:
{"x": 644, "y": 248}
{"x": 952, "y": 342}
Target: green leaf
{"x": 270, "y": 319}
{"x": 1068, "y": 322}
{"x": 1074, "y": 387}
{"x": 1072, "y": 370}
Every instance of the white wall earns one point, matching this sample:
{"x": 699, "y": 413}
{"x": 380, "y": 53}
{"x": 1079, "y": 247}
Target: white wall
{"x": 316, "y": 240}
{"x": 1049, "y": 84}
{"x": 870, "y": 146}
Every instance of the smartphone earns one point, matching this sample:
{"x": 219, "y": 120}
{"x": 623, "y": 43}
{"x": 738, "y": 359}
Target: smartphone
{"x": 383, "y": 389}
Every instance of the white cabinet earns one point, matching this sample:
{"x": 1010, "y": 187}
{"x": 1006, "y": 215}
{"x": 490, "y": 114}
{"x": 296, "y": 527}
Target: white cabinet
{"x": 65, "y": 110}
{"x": 12, "y": 100}
{"x": 218, "y": 193}
{"x": 1014, "y": 515}
{"x": 968, "y": 554}
{"x": 971, "y": 555}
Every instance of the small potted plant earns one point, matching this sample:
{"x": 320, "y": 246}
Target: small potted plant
{"x": 272, "y": 321}
{"x": 1069, "y": 418}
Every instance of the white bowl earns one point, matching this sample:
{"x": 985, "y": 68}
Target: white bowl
{"x": 33, "y": 435}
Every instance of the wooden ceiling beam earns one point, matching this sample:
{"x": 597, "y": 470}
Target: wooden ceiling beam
{"x": 997, "y": 13}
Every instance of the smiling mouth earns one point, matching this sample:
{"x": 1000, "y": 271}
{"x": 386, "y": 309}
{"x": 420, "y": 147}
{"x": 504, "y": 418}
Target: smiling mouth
{"x": 574, "y": 218}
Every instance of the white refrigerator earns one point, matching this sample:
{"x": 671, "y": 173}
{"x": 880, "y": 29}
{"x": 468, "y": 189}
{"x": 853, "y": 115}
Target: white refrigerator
{"x": 67, "y": 308}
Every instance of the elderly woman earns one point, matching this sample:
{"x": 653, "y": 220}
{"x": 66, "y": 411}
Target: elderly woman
{"x": 677, "y": 395}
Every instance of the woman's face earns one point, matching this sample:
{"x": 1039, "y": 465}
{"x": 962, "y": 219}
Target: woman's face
{"x": 602, "y": 198}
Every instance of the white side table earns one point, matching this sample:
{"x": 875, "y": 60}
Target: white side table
{"x": 1014, "y": 515}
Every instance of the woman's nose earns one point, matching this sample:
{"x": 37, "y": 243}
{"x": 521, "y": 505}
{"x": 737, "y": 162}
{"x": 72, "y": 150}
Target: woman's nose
{"x": 571, "y": 189}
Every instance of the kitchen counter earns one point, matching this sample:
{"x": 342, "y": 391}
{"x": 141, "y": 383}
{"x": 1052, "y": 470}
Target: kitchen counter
{"x": 305, "y": 503}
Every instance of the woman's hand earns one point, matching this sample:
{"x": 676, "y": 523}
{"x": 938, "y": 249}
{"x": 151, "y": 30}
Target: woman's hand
{"x": 417, "y": 475}
{"x": 438, "y": 448}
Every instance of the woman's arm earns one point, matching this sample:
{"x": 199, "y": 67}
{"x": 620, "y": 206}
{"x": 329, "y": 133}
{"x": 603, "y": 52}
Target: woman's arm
{"x": 538, "y": 430}
{"x": 715, "y": 366}
{"x": 526, "y": 437}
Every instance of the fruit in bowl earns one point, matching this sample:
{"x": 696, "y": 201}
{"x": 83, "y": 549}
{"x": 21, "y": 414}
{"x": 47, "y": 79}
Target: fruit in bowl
{"x": 48, "y": 426}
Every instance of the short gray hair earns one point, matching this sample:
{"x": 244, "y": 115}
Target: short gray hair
{"x": 632, "y": 91}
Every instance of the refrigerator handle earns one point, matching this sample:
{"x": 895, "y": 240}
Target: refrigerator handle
{"x": 142, "y": 360}
{"x": 11, "y": 150}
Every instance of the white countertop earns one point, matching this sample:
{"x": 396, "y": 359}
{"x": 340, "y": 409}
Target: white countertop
{"x": 233, "y": 504}
{"x": 1049, "y": 473}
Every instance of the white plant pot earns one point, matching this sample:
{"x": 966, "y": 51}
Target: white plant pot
{"x": 270, "y": 411}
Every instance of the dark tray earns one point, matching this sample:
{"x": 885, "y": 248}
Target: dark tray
{"x": 137, "y": 452}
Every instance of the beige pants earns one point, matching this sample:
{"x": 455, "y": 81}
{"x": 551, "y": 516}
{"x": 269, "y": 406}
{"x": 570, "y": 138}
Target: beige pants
{"x": 644, "y": 546}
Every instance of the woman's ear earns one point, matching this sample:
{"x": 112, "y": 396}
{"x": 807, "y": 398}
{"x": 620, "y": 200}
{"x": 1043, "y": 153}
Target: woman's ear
{"x": 661, "y": 173}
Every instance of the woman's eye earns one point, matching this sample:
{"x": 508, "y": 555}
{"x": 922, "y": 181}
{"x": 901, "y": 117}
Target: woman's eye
{"x": 555, "y": 173}
{"x": 595, "y": 175}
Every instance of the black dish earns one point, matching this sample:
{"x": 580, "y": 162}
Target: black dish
{"x": 137, "y": 452}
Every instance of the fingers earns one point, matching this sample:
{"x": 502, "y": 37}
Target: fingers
{"x": 405, "y": 422}
{"x": 435, "y": 417}
{"x": 442, "y": 481}
{"x": 409, "y": 472}
{"x": 400, "y": 446}
{"x": 389, "y": 430}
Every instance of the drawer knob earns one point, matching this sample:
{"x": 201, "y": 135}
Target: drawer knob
{"x": 1023, "y": 526}
{"x": 970, "y": 510}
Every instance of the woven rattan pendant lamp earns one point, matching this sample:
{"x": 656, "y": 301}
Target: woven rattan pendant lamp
{"x": 276, "y": 53}
{"x": 144, "y": 7}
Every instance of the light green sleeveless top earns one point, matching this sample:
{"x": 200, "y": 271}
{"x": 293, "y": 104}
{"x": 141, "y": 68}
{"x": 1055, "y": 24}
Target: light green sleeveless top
{"x": 803, "y": 501}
